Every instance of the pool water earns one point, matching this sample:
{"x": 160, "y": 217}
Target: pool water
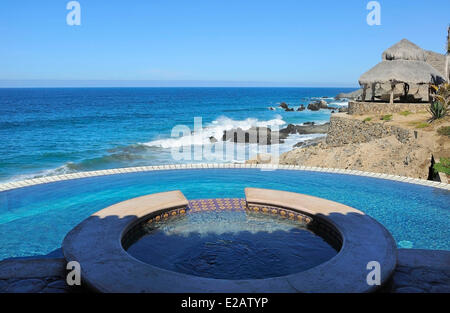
{"x": 230, "y": 244}
{"x": 34, "y": 220}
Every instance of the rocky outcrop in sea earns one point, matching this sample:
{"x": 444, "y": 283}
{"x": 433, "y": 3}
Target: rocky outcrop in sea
{"x": 254, "y": 135}
{"x": 317, "y": 105}
{"x": 305, "y": 129}
{"x": 354, "y": 95}
{"x": 265, "y": 136}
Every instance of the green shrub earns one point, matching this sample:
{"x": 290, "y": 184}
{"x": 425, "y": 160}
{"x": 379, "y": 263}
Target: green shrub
{"x": 386, "y": 117}
{"x": 419, "y": 124}
{"x": 422, "y": 125}
{"x": 405, "y": 113}
{"x": 367, "y": 119}
{"x": 443, "y": 166}
{"x": 444, "y": 131}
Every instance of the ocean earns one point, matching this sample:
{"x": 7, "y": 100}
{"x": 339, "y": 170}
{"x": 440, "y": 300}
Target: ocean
{"x": 51, "y": 131}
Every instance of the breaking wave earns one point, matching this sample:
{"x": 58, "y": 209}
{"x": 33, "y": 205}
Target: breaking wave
{"x": 158, "y": 151}
{"x": 214, "y": 130}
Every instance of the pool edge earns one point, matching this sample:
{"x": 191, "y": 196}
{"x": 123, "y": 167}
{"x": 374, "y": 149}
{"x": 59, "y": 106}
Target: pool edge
{"x": 125, "y": 170}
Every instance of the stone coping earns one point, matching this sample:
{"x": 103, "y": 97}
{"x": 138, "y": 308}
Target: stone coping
{"x": 56, "y": 178}
{"x": 107, "y": 267}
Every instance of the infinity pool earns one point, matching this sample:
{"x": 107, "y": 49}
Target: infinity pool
{"x": 34, "y": 220}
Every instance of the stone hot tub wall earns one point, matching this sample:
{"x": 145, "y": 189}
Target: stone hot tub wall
{"x": 344, "y": 130}
{"x": 362, "y": 108}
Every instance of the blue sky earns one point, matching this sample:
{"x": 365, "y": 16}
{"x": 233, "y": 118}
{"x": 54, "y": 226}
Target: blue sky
{"x": 233, "y": 42}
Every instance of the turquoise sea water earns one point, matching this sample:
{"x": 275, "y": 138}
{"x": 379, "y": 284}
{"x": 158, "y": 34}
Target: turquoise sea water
{"x": 61, "y": 130}
{"x": 34, "y": 220}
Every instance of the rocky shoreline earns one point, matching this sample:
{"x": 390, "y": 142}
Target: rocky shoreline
{"x": 364, "y": 143}
{"x": 370, "y": 146}
{"x": 312, "y": 106}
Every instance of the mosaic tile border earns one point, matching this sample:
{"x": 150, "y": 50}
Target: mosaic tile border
{"x": 281, "y": 212}
{"x": 194, "y": 206}
{"x": 218, "y": 204}
{"x": 268, "y": 167}
{"x": 138, "y": 230}
{"x": 319, "y": 226}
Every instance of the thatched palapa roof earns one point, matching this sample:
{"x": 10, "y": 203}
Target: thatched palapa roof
{"x": 436, "y": 60}
{"x": 402, "y": 71}
{"x": 404, "y": 50}
{"x": 404, "y": 62}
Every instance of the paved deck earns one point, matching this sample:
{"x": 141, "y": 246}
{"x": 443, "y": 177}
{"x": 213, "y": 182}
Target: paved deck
{"x": 42, "y": 275}
{"x": 422, "y": 271}
{"x": 418, "y": 271}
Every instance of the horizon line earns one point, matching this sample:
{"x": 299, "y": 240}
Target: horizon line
{"x": 164, "y": 83}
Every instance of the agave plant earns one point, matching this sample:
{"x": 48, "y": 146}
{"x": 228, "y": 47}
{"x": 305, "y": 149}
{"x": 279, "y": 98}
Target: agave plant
{"x": 437, "y": 110}
{"x": 439, "y": 106}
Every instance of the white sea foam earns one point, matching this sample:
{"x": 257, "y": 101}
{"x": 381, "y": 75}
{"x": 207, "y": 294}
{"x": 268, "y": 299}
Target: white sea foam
{"x": 339, "y": 104}
{"x": 292, "y": 140}
{"x": 61, "y": 170}
{"x": 322, "y": 98}
{"x": 216, "y": 130}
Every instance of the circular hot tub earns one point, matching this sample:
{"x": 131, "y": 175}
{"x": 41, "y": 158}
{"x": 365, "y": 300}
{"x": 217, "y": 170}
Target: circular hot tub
{"x": 271, "y": 241}
{"x": 225, "y": 239}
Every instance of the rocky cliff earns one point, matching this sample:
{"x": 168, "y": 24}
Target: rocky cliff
{"x": 367, "y": 146}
